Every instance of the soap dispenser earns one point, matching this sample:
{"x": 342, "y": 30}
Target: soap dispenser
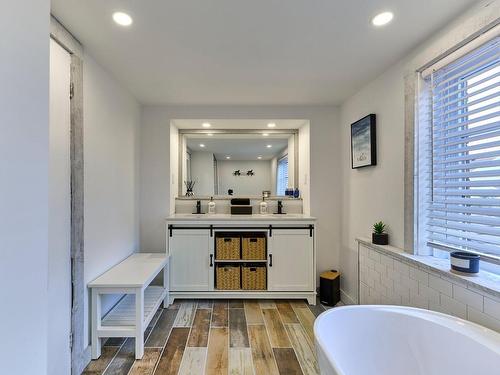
{"x": 263, "y": 206}
{"x": 211, "y": 206}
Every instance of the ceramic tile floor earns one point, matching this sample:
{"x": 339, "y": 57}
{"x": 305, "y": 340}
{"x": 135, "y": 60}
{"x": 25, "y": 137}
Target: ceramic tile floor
{"x": 220, "y": 337}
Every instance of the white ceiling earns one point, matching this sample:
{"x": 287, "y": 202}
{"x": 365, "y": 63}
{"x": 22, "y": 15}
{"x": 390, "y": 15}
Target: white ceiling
{"x": 238, "y": 124}
{"x": 250, "y": 51}
{"x": 248, "y": 147}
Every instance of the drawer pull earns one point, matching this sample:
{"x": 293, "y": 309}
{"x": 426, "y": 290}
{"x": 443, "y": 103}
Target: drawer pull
{"x": 227, "y": 239}
{"x": 253, "y": 239}
{"x": 270, "y": 260}
{"x": 211, "y": 260}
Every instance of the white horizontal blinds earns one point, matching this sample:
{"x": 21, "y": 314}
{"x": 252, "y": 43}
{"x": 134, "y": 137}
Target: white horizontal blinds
{"x": 463, "y": 203}
{"x": 282, "y": 176}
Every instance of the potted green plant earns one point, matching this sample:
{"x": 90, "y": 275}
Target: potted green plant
{"x": 379, "y": 235}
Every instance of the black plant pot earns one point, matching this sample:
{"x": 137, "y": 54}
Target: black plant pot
{"x": 380, "y": 239}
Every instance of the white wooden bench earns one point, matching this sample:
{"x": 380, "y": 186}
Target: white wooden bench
{"x": 130, "y": 316}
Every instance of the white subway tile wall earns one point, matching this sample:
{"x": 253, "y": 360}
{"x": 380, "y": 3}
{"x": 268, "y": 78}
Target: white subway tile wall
{"x": 389, "y": 281}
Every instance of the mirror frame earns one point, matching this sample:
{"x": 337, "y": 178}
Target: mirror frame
{"x": 184, "y": 132}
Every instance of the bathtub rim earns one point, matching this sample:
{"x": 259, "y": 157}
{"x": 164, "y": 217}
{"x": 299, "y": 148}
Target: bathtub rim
{"x": 483, "y": 335}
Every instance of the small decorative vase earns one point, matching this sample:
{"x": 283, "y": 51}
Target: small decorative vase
{"x": 380, "y": 239}
{"x": 296, "y": 193}
{"x": 189, "y": 193}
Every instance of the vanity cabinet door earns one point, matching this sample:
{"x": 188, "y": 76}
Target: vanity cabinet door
{"x": 190, "y": 268}
{"x": 292, "y": 255}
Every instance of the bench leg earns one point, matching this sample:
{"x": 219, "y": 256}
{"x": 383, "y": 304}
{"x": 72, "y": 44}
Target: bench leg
{"x": 166, "y": 300}
{"x": 139, "y": 323}
{"x": 96, "y": 323}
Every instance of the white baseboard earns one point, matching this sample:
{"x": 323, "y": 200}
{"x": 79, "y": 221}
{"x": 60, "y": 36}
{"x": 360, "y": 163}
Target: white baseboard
{"x": 346, "y": 298}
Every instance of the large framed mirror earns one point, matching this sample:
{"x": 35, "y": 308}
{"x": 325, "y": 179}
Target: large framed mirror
{"x": 249, "y": 163}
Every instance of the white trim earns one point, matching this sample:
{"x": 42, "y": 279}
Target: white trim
{"x": 461, "y": 50}
{"x": 64, "y": 38}
{"x": 80, "y": 350}
{"x": 310, "y": 296}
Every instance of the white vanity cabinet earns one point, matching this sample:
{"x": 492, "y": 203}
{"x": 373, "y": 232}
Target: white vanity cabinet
{"x": 289, "y": 261}
{"x": 192, "y": 260}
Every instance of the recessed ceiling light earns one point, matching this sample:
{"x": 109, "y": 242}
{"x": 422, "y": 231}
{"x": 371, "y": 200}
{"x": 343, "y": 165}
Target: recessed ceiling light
{"x": 122, "y": 19}
{"x": 202, "y": 145}
{"x": 271, "y": 125}
{"x": 228, "y": 157}
{"x": 265, "y": 134}
{"x": 382, "y": 19}
{"x": 259, "y": 157}
{"x": 206, "y": 125}
{"x": 269, "y": 146}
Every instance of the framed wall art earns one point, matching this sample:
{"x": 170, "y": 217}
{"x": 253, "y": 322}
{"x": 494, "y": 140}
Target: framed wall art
{"x": 364, "y": 142}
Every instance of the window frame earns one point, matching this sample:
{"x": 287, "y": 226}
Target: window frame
{"x": 424, "y": 127}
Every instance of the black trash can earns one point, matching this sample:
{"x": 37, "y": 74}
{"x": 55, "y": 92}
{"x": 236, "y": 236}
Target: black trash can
{"x": 329, "y": 288}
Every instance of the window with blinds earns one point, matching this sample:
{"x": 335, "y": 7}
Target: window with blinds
{"x": 282, "y": 176}
{"x": 461, "y": 168}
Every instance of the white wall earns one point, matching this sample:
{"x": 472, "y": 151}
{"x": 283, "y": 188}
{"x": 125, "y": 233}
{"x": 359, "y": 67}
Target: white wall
{"x": 59, "y": 323}
{"x": 202, "y": 171}
{"x": 244, "y": 185}
{"x": 373, "y": 193}
{"x": 111, "y": 120}
{"x": 324, "y": 167}
{"x": 24, "y": 157}
{"x": 376, "y": 193}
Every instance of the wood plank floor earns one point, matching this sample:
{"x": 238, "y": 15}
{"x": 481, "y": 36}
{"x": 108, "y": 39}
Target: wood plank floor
{"x": 219, "y": 337}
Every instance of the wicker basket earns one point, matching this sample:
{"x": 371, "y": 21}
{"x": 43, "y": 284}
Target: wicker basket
{"x": 227, "y": 248}
{"x": 253, "y": 277}
{"x": 228, "y": 277}
{"x": 254, "y": 248}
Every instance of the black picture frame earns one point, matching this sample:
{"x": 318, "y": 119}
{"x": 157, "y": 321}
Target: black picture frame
{"x": 364, "y": 142}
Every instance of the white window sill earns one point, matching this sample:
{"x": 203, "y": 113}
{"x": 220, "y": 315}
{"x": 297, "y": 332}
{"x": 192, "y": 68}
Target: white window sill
{"x": 484, "y": 281}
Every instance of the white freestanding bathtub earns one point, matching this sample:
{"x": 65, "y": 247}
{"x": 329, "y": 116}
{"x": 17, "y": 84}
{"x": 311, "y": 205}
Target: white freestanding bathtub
{"x": 394, "y": 340}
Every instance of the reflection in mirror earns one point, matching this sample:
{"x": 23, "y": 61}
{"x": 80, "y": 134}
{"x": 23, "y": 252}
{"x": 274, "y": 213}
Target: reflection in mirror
{"x": 238, "y": 164}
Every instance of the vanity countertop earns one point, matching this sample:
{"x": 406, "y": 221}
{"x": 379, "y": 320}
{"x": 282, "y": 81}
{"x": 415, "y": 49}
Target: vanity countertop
{"x": 240, "y": 218}
{"x": 229, "y": 197}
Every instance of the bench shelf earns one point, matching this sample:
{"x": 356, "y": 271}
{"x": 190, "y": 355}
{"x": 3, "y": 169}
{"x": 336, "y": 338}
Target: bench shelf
{"x": 122, "y": 316}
